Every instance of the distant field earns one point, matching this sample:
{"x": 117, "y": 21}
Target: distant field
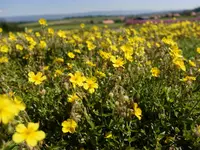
{"x": 73, "y": 23}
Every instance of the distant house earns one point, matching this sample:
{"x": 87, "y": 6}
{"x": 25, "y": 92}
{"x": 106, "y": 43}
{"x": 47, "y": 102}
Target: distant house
{"x": 109, "y": 21}
{"x": 193, "y": 13}
{"x": 122, "y": 18}
{"x": 169, "y": 15}
{"x": 176, "y": 15}
{"x": 155, "y": 17}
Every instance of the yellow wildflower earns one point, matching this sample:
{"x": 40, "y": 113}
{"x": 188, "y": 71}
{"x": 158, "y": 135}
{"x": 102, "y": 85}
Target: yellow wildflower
{"x": 105, "y": 55}
{"x": 137, "y": 111}
{"x": 46, "y": 68}
{"x": 8, "y": 109}
{"x": 69, "y": 66}
{"x": 36, "y": 78}
{"x": 77, "y": 79}
{"x": 77, "y": 51}
{"x": 18, "y": 103}
{"x": 72, "y": 98}
{"x": 198, "y": 50}
{"x": 179, "y": 63}
{"x": 58, "y": 72}
{"x": 59, "y": 60}
{"x": 90, "y": 85}
{"x": 42, "y": 22}
{"x": 108, "y": 135}
{"x": 69, "y": 126}
{"x": 89, "y": 63}
{"x": 19, "y": 47}
{"x": 1, "y": 30}
{"x": 71, "y": 55}
{"x": 100, "y": 74}
{"x": 155, "y": 72}
{"x": 4, "y": 49}
{"x": 192, "y": 63}
{"x": 90, "y": 45}
{"x": 61, "y": 34}
{"x": 30, "y": 134}
{"x": 188, "y": 78}
{"x": 117, "y": 62}
{"x": 37, "y": 34}
{"x": 82, "y": 25}
{"x": 42, "y": 44}
{"x": 51, "y": 31}
{"x": 3, "y": 59}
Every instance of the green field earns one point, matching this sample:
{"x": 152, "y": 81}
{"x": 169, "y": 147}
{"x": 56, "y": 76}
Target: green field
{"x": 74, "y": 23}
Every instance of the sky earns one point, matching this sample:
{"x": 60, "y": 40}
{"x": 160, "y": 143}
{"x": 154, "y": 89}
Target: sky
{"x": 43, "y": 7}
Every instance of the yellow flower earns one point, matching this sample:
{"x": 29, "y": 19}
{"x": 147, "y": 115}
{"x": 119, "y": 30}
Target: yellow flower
{"x": 117, "y": 62}
{"x": 58, "y": 72}
{"x": 188, "y": 78}
{"x": 108, "y": 135}
{"x": 69, "y": 126}
{"x": 149, "y": 62}
{"x": 90, "y": 85}
{"x": 4, "y": 49}
{"x": 1, "y": 30}
{"x": 30, "y": 134}
{"x": 61, "y": 34}
{"x": 192, "y": 63}
{"x": 137, "y": 111}
{"x": 37, "y": 79}
{"x": 127, "y": 49}
{"x": 77, "y": 79}
{"x": 19, "y": 104}
{"x": 8, "y": 109}
{"x": 90, "y": 45}
{"x": 19, "y": 47}
{"x": 105, "y": 55}
{"x": 155, "y": 72}
{"x": 12, "y": 36}
{"x": 59, "y": 60}
{"x": 46, "y": 68}
{"x": 3, "y": 59}
{"x": 198, "y": 50}
{"x": 72, "y": 98}
{"x": 100, "y": 74}
{"x": 69, "y": 66}
{"x": 42, "y": 22}
{"x": 82, "y": 25}
{"x": 51, "y": 31}
{"x": 179, "y": 63}
{"x": 30, "y": 30}
{"x": 71, "y": 55}
{"x": 37, "y": 34}
{"x": 89, "y": 63}
{"x": 42, "y": 44}
{"x": 77, "y": 51}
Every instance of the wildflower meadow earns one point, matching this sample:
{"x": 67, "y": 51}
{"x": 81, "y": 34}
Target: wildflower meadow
{"x": 132, "y": 88}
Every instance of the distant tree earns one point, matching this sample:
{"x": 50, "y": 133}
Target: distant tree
{"x": 10, "y": 27}
{"x": 91, "y": 22}
{"x": 196, "y": 9}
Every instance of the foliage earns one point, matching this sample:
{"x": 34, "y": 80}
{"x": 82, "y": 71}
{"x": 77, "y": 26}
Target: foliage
{"x": 103, "y": 88}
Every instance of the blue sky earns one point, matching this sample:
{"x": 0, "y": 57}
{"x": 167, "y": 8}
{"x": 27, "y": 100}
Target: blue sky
{"x": 34, "y": 7}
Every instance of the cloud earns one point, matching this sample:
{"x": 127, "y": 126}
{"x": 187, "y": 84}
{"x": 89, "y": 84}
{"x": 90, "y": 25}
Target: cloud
{"x": 1, "y": 10}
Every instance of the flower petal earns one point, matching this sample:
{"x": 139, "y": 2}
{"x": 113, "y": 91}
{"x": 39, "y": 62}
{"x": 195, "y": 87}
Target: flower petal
{"x": 39, "y": 135}
{"x": 33, "y": 126}
{"x": 65, "y": 130}
{"x": 21, "y": 128}
{"x": 31, "y": 141}
{"x": 31, "y": 74}
{"x": 18, "y": 138}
